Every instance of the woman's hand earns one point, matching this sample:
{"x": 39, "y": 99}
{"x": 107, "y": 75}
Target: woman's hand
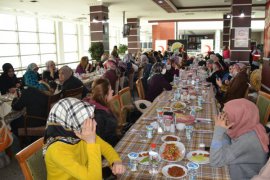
{"x": 219, "y": 82}
{"x": 88, "y": 132}
{"x": 118, "y": 168}
{"x": 222, "y": 121}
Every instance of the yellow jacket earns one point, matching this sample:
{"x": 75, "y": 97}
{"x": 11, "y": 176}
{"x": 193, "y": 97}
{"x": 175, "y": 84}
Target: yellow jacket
{"x": 79, "y": 161}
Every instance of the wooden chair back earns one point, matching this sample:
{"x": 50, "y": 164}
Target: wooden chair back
{"x": 140, "y": 90}
{"x": 32, "y": 162}
{"x": 120, "y": 112}
{"x": 52, "y": 100}
{"x": 76, "y": 93}
{"x": 125, "y": 97}
{"x": 263, "y": 104}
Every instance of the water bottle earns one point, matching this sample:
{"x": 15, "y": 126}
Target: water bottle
{"x": 153, "y": 159}
{"x": 177, "y": 94}
{"x": 193, "y": 111}
{"x": 175, "y": 80}
{"x": 192, "y": 170}
{"x": 149, "y": 133}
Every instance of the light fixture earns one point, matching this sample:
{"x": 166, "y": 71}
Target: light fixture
{"x": 160, "y": 1}
{"x": 242, "y": 14}
{"x": 104, "y": 20}
{"x": 253, "y": 15}
{"x": 228, "y": 16}
{"x": 95, "y": 20}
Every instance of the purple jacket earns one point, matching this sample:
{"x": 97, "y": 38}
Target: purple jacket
{"x": 80, "y": 69}
{"x": 156, "y": 84}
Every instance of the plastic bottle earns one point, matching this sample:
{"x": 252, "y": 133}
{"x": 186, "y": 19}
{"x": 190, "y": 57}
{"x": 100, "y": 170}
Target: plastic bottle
{"x": 192, "y": 170}
{"x": 174, "y": 80}
{"x": 153, "y": 159}
{"x": 177, "y": 94}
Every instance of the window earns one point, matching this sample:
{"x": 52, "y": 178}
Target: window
{"x": 70, "y": 37}
{"x": 86, "y": 40}
{"x": 26, "y": 40}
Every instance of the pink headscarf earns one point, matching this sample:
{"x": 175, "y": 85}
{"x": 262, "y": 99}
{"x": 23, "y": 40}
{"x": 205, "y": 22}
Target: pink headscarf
{"x": 110, "y": 64}
{"x": 245, "y": 116}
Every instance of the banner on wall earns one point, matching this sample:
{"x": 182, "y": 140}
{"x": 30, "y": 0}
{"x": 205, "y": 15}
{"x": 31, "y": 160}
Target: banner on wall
{"x": 161, "y": 45}
{"x": 207, "y": 45}
{"x": 241, "y": 37}
{"x": 177, "y": 45}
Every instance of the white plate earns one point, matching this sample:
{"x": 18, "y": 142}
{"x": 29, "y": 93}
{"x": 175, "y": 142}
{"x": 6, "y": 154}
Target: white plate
{"x": 179, "y": 102}
{"x": 190, "y": 155}
{"x": 179, "y": 145}
{"x": 166, "y": 168}
{"x": 165, "y": 136}
{"x": 140, "y": 159}
{"x": 197, "y": 108}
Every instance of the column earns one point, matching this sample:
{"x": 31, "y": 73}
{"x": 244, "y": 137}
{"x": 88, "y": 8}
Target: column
{"x": 99, "y": 26}
{"x": 240, "y": 30}
{"x": 134, "y": 35}
{"x": 226, "y": 29}
{"x": 217, "y": 41}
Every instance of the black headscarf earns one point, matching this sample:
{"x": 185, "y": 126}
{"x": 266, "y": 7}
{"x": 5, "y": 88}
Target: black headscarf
{"x": 6, "y": 67}
{"x": 7, "y": 82}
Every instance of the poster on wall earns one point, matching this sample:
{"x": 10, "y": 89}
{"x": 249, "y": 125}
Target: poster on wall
{"x": 177, "y": 45}
{"x": 207, "y": 45}
{"x": 161, "y": 45}
{"x": 267, "y": 31}
{"x": 241, "y": 37}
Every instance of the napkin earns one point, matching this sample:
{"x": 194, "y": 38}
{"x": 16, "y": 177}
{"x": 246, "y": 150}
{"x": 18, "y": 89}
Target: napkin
{"x": 5, "y": 108}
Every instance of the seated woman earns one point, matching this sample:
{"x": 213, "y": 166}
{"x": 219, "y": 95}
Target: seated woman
{"x": 72, "y": 150}
{"x": 217, "y": 74}
{"x": 157, "y": 82}
{"x": 36, "y": 103}
{"x": 111, "y": 73}
{"x": 84, "y": 66}
{"x": 68, "y": 81}
{"x": 31, "y": 78}
{"x": 101, "y": 94}
{"x": 171, "y": 69}
{"x": 8, "y": 80}
{"x": 239, "y": 140}
{"x": 51, "y": 73}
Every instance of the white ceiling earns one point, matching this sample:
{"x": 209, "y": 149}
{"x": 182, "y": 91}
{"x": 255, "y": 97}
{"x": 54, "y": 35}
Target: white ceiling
{"x": 144, "y": 9}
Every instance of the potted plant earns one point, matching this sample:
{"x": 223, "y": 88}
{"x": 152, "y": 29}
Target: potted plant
{"x": 122, "y": 49}
{"x": 96, "y": 50}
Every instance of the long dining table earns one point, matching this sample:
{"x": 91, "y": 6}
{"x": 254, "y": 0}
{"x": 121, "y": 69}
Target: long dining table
{"x": 134, "y": 140}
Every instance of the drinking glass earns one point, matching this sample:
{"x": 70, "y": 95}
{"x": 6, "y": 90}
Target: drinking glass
{"x": 159, "y": 112}
{"x": 189, "y": 130}
{"x": 167, "y": 123}
{"x": 153, "y": 162}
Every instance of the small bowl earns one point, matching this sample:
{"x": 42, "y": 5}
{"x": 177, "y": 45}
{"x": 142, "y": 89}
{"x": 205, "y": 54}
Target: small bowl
{"x": 180, "y": 126}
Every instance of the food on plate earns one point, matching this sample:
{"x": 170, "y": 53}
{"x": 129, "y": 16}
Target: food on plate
{"x": 183, "y": 117}
{"x": 199, "y": 157}
{"x": 170, "y": 138}
{"x": 178, "y": 105}
{"x": 145, "y": 160}
{"x": 144, "y": 154}
{"x": 171, "y": 152}
{"x": 176, "y": 171}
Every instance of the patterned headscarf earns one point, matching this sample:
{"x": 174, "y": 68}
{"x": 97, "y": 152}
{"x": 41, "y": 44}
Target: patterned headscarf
{"x": 31, "y": 67}
{"x": 65, "y": 117}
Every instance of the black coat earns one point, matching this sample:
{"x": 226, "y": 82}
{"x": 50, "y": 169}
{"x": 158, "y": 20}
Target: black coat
{"x": 46, "y": 76}
{"x": 7, "y": 82}
{"x": 36, "y": 104}
{"x": 73, "y": 83}
{"x": 106, "y": 126}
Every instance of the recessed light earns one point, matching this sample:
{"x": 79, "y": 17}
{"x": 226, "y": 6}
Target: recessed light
{"x": 34, "y": 1}
{"x": 160, "y": 1}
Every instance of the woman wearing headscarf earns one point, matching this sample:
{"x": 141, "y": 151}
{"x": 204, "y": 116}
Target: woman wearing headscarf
{"x": 84, "y": 66}
{"x": 157, "y": 82}
{"x": 72, "y": 150}
{"x": 8, "y": 80}
{"x": 111, "y": 73}
{"x": 216, "y": 74}
{"x": 239, "y": 140}
{"x": 51, "y": 73}
{"x": 101, "y": 94}
{"x": 68, "y": 81}
{"x": 31, "y": 78}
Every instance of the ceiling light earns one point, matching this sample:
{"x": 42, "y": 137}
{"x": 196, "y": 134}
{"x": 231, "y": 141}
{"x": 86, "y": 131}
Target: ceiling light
{"x": 242, "y": 14}
{"x": 34, "y": 1}
{"x": 95, "y": 20}
{"x": 160, "y": 1}
{"x": 228, "y": 16}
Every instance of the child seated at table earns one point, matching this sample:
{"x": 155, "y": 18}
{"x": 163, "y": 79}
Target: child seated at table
{"x": 239, "y": 140}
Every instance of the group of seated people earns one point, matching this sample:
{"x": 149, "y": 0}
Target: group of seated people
{"x": 87, "y": 128}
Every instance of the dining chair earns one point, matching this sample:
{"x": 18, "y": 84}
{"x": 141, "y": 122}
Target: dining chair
{"x": 263, "y": 103}
{"x": 120, "y": 112}
{"x": 32, "y": 162}
{"x": 37, "y": 131}
{"x": 125, "y": 97}
{"x": 140, "y": 90}
{"x": 75, "y": 93}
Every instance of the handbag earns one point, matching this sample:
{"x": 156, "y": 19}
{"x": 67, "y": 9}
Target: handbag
{"x": 6, "y": 138}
